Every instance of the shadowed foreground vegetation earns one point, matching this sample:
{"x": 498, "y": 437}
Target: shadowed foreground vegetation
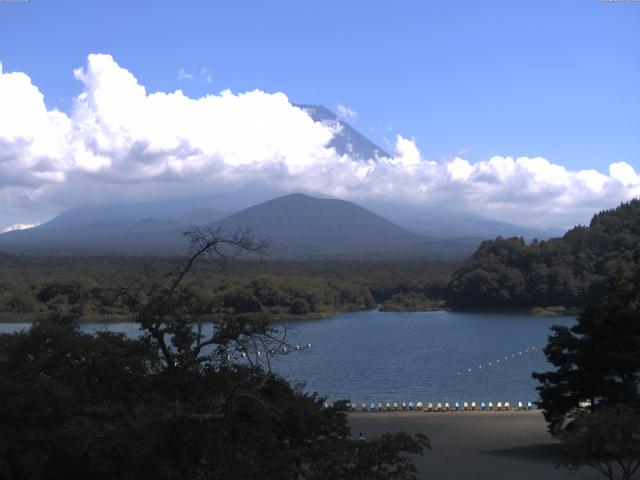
{"x": 101, "y": 406}
{"x": 175, "y": 403}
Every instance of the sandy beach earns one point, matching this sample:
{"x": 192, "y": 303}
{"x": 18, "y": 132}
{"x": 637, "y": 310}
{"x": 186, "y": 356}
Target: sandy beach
{"x": 477, "y": 445}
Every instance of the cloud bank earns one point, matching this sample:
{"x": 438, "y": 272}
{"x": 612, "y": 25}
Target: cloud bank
{"x": 119, "y": 142}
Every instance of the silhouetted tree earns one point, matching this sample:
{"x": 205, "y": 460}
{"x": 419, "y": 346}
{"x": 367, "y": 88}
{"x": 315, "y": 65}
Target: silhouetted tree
{"x": 591, "y": 401}
{"x": 598, "y": 359}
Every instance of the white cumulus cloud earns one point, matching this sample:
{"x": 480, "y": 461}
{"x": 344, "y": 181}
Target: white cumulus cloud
{"x": 120, "y": 142}
{"x": 624, "y": 173}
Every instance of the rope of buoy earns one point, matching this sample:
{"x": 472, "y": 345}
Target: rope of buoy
{"x": 514, "y": 355}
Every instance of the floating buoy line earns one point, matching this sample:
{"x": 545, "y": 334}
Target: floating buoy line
{"x": 284, "y": 350}
{"x": 498, "y": 361}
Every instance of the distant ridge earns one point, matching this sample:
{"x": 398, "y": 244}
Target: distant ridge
{"x": 299, "y": 227}
{"x": 151, "y": 228}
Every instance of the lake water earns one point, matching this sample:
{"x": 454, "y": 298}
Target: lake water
{"x": 401, "y": 357}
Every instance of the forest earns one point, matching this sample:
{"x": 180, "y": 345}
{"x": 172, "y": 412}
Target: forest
{"x": 570, "y": 271}
{"x": 86, "y": 287}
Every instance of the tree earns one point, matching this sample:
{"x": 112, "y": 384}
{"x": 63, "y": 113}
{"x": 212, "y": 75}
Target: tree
{"x": 187, "y": 400}
{"x": 598, "y": 359}
{"x": 591, "y": 401}
{"x": 607, "y": 440}
{"x": 72, "y": 405}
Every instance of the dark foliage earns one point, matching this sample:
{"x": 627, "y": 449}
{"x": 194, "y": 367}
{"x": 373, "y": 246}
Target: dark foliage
{"x": 591, "y": 400}
{"x": 598, "y": 359}
{"x": 32, "y": 287}
{"x": 178, "y": 403}
{"x": 569, "y": 271}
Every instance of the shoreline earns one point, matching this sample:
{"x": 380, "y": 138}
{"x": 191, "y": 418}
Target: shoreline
{"x": 8, "y": 318}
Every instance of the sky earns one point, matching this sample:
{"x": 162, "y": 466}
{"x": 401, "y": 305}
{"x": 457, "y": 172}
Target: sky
{"x": 495, "y": 107}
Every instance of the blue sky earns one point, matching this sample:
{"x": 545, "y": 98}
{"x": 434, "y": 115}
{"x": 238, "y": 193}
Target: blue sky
{"x": 555, "y": 79}
{"x": 558, "y": 79}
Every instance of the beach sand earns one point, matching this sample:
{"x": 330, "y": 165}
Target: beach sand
{"x": 477, "y": 445}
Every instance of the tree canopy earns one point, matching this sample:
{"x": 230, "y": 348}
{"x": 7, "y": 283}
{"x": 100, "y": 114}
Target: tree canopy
{"x": 33, "y": 287}
{"x": 571, "y": 271}
{"x": 598, "y": 359}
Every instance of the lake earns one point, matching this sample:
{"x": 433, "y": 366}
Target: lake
{"x": 401, "y": 357}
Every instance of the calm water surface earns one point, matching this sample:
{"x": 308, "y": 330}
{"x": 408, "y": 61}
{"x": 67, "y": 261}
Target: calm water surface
{"x": 394, "y": 357}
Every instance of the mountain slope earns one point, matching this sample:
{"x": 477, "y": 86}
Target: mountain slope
{"x": 301, "y": 225}
{"x": 298, "y": 226}
{"x": 118, "y": 228}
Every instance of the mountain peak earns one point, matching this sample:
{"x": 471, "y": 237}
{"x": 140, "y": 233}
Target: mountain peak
{"x": 297, "y": 197}
{"x": 299, "y": 224}
{"x": 348, "y": 141}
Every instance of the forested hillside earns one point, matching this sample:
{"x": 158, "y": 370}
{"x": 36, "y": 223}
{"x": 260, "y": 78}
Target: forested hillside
{"x": 569, "y": 271}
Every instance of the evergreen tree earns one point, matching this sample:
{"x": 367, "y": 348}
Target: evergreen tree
{"x": 598, "y": 359}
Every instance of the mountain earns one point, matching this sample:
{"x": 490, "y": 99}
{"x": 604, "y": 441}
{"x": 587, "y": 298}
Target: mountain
{"x": 170, "y": 209}
{"x": 571, "y": 271}
{"x": 135, "y": 228}
{"x": 298, "y": 226}
{"x": 303, "y": 226}
{"x": 348, "y": 140}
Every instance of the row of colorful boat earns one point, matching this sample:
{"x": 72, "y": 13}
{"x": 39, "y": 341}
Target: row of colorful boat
{"x": 436, "y": 407}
